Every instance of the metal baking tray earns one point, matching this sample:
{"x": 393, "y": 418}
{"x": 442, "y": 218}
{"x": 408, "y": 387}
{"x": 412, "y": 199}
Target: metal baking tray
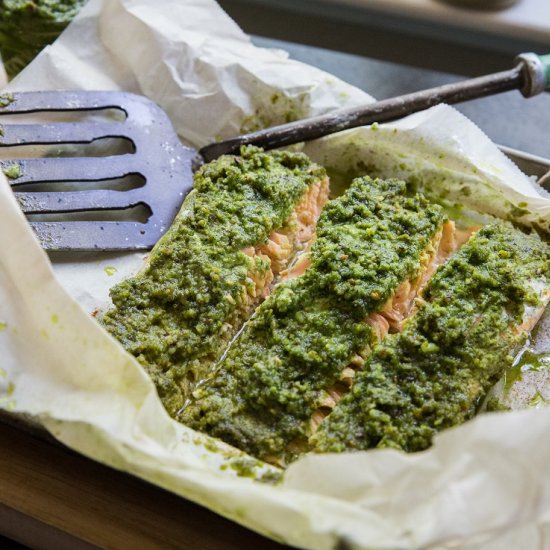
{"x": 532, "y": 165}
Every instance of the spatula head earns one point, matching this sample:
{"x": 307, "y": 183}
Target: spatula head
{"x": 157, "y": 158}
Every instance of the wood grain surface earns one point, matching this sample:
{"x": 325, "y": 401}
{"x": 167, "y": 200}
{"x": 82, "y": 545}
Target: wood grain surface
{"x": 53, "y": 498}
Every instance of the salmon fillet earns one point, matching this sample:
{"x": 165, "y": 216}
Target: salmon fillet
{"x": 285, "y": 363}
{"x": 397, "y": 309}
{"x": 477, "y": 311}
{"x": 281, "y": 247}
{"x": 240, "y": 226}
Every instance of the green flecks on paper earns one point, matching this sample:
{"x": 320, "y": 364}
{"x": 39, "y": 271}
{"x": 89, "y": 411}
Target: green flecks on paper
{"x": 6, "y": 401}
{"x": 12, "y": 170}
{"x": 110, "y": 270}
{"x": 44, "y": 334}
{"x": 517, "y": 211}
{"x": 211, "y": 445}
{"x": 3, "y": 373}
{"x": 3, "y": 325}
{"x": 344, "y": 95}
{"x": 275, "y": 109}
{"x": 244, "y": 467}
{"x": 55, "y": 318}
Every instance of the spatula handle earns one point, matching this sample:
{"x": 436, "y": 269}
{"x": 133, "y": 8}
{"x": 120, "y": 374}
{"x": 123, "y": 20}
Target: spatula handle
{"x": 531, "y": 75}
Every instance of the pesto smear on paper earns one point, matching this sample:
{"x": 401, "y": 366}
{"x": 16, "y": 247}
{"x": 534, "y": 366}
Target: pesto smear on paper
{"x": 176, "y": 315}
{"x": 433, "y": 375}
{"x": 295, "y": 347}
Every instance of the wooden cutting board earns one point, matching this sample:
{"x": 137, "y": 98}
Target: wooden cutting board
{"x": 54, "y": 498}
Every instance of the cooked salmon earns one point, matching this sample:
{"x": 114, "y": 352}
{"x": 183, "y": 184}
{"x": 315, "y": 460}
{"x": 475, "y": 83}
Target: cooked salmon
{"x": 476, "y": 312}
{"x": 283, "y": 245}
{"x": 242, "y": 224}
{"x": 398, "y": 308}
{"x": 299, "y": 351}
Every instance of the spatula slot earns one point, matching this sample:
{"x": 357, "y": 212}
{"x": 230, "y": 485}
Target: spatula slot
{"x": 64, "y": 146}
{"x": 126, "y": 183}
{"x": 139, "y": 213}
{"x": 100, "y": 115}
{"x": 93, "y": 170}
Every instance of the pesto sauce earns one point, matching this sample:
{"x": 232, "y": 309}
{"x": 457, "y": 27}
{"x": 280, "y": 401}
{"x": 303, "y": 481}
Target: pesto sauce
{"x": 187, "y": 303}
{"x": 5, "y": 100}
{"x": 12, "y": 170}
{"x": 295, "y": 347}
{"x": 432, "y": 375}
{"x": 27, "y": 26}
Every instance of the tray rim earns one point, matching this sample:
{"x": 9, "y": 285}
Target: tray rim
{"x": 539, "y": 166}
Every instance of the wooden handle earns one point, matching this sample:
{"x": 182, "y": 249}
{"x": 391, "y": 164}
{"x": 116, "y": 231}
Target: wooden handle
{"x": 527, "y": 75}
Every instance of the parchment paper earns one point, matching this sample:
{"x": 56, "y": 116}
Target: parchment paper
{"x": 482, "y": 485}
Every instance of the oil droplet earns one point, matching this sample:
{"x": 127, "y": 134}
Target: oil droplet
{"x": 110, "y": 270}
{"x": 537, "y": 401}
{"x": 55, "y": 318}
{"x": 3, "y": 325}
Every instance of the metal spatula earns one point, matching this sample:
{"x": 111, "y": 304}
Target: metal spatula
{"x": 165, "y": 166}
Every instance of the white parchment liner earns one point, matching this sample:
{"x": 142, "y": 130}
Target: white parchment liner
{"x": 482, "y": 485}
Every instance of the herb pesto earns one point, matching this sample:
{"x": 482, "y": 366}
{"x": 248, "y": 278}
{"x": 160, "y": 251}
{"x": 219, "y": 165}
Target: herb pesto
{"x": 27, "y": 26}
{"x": 198, "y": 286}
{"x": 432, "y": 375}
{"x": 296, "y": 346}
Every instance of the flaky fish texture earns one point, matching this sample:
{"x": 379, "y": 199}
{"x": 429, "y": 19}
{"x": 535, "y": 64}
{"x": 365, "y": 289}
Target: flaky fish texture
{"x": 245, "y": 219}
{"x": 474, "y": 316}
{"x": 295, "y": 355}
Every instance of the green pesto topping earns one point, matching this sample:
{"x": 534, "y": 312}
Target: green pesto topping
{"x": 432, "y": 375}
{"x": 276, "y": 373}
{"x": 184, "y": 307}
{"x": 27, "y": 26}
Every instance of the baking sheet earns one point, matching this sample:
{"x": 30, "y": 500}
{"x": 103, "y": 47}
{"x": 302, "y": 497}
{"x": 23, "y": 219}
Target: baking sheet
{"x": 482, "y": 485}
